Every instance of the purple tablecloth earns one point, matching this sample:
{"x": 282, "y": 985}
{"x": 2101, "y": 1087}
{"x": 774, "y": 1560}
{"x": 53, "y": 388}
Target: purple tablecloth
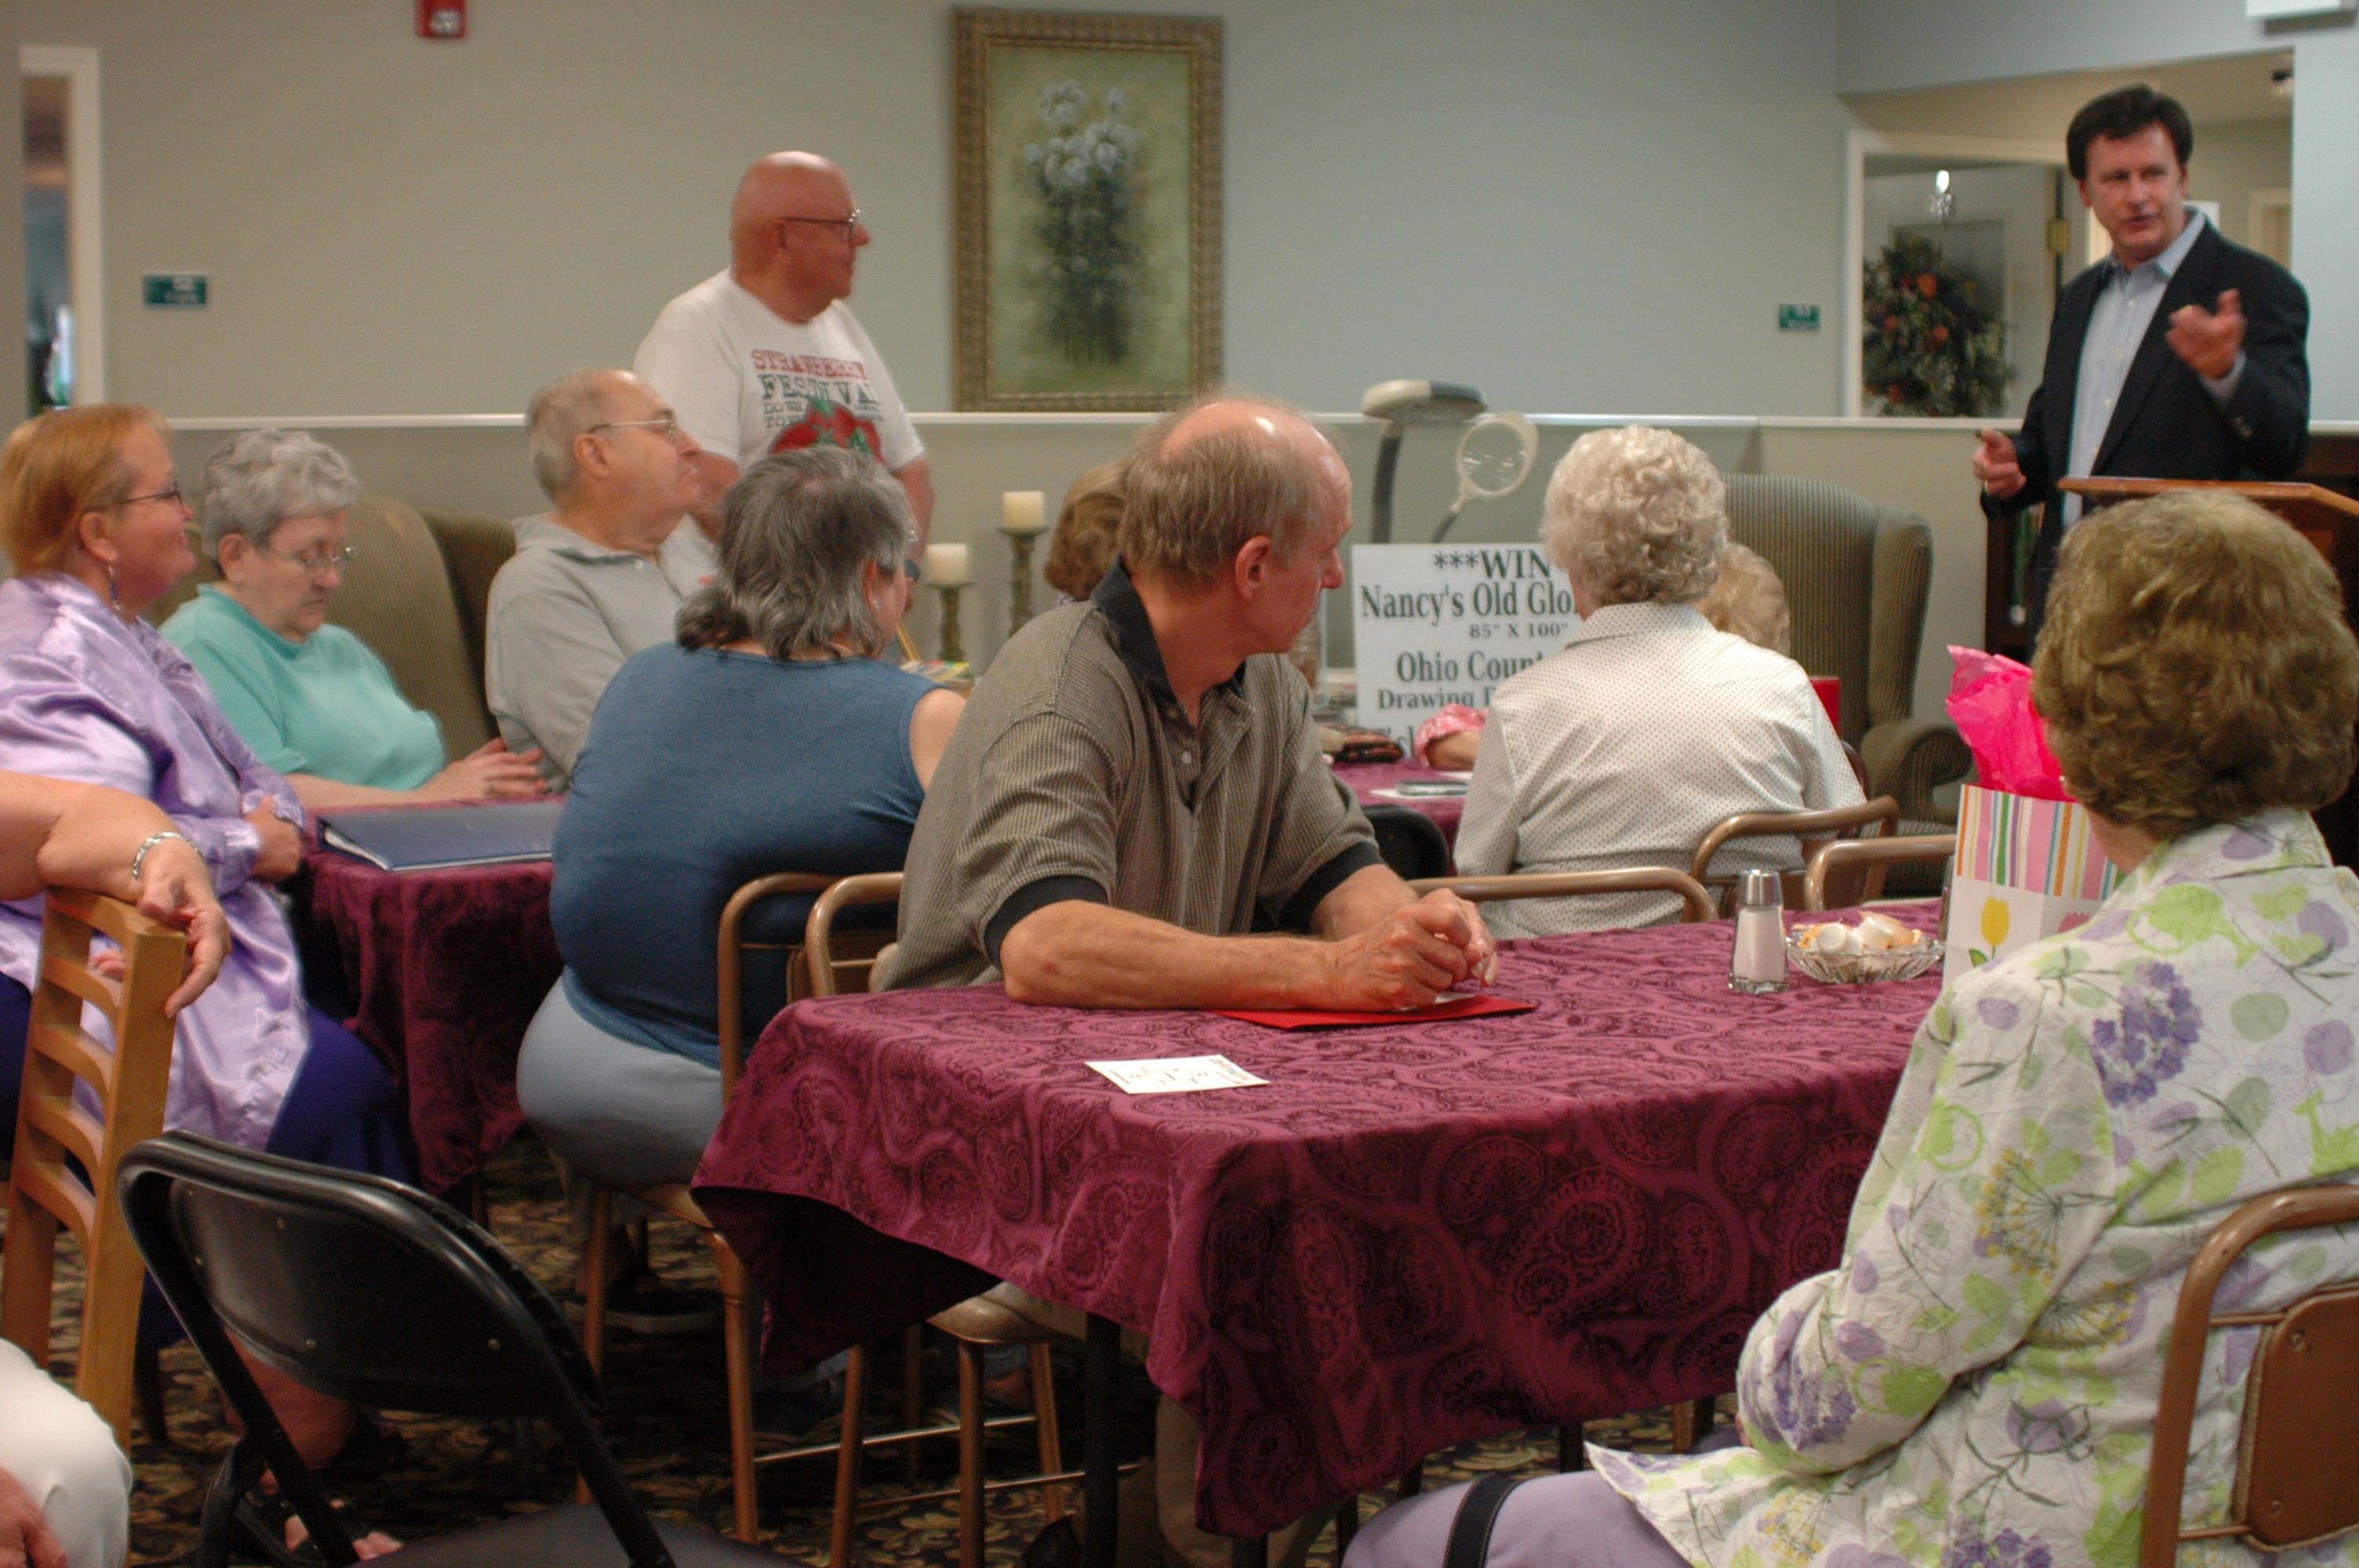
{"x": 446, "y": 969}
{"x": 1415, "y": 1235}
{"x": 1367, "y": 778}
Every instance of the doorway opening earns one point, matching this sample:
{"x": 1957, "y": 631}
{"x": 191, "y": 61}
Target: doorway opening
{"x": 65, "y": 357}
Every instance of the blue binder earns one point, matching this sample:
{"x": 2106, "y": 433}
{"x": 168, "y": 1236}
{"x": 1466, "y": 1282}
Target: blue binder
{"x": 430, "y": 838}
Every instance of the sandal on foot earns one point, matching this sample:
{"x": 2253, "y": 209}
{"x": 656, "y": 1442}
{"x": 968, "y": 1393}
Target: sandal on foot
{"x": 262, "y": 1519}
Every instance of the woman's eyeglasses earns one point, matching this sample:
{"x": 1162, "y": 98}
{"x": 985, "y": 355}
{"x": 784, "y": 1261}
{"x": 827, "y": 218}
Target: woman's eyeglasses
{"x": 319, "y": 563}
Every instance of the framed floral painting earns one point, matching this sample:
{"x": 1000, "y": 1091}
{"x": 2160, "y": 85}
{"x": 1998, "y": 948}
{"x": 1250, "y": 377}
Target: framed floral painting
{"x": 1089, "y": 210}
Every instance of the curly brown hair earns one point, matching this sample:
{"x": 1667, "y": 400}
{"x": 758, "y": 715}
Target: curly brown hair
{"x": 1088, "y": 530}
{"x": 2196, "y": 667}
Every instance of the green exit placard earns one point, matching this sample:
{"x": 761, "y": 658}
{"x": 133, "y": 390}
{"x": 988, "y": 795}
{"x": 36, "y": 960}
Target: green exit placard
{"x": 173, "y": 290}
{"x": 1790, "y": 317}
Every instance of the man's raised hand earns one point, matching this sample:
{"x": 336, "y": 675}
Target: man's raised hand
{"x": 1997, "y": 465}
{"x": 2208, "y": 340}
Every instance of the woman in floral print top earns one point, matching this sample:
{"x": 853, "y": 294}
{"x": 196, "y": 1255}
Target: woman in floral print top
{"x": 1976, "y": 1386}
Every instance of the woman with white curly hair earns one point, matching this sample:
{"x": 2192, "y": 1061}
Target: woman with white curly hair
{"x": 1648, "y": 727}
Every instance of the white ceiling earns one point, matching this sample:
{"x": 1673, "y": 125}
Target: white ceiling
{"x": 2215, "y": 91}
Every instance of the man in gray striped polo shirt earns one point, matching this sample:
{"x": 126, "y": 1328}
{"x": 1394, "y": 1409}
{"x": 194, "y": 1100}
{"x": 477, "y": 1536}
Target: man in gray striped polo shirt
{"x": 1137, "y": 784}
{"x": 1138, "y": 777}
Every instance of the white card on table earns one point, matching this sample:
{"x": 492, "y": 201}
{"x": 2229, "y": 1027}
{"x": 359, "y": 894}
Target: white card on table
{"x": 1176, "y": 1074}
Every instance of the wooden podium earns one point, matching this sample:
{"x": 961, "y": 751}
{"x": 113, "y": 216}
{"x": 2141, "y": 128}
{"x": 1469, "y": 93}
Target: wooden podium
{"x": 2331, "y": 523}
{"x": 2326, "y": 519}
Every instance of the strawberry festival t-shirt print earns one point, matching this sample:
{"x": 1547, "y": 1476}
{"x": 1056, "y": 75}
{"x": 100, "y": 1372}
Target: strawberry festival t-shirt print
{"x": 745, "y": 382}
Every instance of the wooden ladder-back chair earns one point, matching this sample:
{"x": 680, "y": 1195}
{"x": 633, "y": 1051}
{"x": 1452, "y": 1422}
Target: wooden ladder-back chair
{"x": 1883, "y": 813}
{"x": 1693, "y": 894}
{"x": 44, "y": 1192}
{"x": 2295, "y": 1480}
{"x": 674, "y": 1199}
{"x": 976, "y": 1326}
{"x": 1831, "y": 861}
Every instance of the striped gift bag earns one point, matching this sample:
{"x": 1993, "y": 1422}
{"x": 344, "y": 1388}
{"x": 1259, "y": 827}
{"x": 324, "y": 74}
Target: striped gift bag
{"x": 2025, "y": 869}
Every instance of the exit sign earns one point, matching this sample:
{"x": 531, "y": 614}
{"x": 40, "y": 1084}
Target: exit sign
{"x": 1797, "y": 318}
{"x": 173, "y": 290}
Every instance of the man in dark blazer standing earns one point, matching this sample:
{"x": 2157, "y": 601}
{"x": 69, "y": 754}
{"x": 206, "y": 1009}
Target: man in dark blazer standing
{"x": 2180, "y": 356}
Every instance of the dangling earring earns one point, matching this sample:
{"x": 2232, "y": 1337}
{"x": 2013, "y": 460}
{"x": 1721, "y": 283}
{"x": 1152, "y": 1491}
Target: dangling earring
{"x": 111, "y": 596}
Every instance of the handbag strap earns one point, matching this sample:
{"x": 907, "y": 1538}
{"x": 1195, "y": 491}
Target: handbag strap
{"x": 1478, "y": 1511}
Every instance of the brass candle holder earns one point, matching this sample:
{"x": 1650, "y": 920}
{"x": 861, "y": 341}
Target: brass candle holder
{"x": 1022, "y": 520}
{"x": 952, "y": 652}
{"x": 1019, "y": 587}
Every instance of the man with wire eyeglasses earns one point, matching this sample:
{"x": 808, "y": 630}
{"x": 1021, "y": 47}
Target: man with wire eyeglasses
{"x": 604, "y": 572}
{"x": 764, "y": 356}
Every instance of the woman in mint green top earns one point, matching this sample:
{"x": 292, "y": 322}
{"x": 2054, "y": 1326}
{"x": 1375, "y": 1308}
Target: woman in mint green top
{"x": 314, "y": 702}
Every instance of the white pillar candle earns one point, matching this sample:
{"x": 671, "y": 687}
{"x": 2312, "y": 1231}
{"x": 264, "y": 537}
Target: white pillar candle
{"x": 946, "y": 565}
{"x": 1020, "y": 512}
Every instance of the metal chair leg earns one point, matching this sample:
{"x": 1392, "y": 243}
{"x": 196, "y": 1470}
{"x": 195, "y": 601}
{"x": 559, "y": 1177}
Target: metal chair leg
{"x": 525, "y": 1433}
{"x": 1102, "y": 1353}
{"x": 1571, "y": 1454}
{"x": 147, "y": 1393}
{"x": 913, "y": 1398}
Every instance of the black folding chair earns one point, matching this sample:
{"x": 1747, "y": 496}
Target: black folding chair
{"x": 1410, "y": 841}
{"x": 372, "y": 1291}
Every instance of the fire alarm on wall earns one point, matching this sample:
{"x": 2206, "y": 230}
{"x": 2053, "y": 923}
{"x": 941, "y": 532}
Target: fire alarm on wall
{"x": 441, "y": 18}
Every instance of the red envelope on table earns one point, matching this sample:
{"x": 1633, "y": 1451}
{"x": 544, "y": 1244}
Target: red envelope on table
{"x": 1438, "y": 1012}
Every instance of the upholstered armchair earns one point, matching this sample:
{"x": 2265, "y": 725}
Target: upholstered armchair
{"x": 1856, "y": 576}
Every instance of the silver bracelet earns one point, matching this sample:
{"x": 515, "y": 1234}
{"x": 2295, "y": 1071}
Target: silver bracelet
{"x": 140, "y": 859}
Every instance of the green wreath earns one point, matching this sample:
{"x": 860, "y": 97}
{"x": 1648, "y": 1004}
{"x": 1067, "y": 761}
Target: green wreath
{"x": 1931, "y": 345}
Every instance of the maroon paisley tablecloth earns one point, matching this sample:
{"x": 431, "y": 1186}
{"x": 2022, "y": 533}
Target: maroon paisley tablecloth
{"x": 1414, "y": 1236}
{"x": 1366, "y": 778}
{"x": 446, "y": 969}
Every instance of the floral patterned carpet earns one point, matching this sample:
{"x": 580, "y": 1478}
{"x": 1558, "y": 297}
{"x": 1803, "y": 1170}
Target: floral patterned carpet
{"x": 667, "y": 1424}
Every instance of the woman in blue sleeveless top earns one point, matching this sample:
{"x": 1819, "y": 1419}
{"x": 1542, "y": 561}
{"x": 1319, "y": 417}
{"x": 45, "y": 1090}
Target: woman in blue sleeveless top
{"x": 770, "y": 738}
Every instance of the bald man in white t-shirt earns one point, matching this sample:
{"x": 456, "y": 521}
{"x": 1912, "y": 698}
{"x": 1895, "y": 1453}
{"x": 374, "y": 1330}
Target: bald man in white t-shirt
{"x": 765, "y": 357}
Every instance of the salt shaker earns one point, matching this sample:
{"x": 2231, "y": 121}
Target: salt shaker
{"x": 1759, "y": 963}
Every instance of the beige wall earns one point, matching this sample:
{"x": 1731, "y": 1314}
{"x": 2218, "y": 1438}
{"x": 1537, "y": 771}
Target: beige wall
{"x": 1544, "y": 199}
{"x": 2234, "y": 160}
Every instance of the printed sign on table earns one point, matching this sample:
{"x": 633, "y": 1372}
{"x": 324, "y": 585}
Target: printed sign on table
{"x": 1434, "y": 624}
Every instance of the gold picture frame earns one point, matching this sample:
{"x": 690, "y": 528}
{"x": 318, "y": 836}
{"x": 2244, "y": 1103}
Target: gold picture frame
{"x": 1089, "y": 210}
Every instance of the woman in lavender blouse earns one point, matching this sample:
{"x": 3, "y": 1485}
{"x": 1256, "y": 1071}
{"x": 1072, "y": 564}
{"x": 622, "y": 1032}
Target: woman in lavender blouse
{"x": 96, "y": 530}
